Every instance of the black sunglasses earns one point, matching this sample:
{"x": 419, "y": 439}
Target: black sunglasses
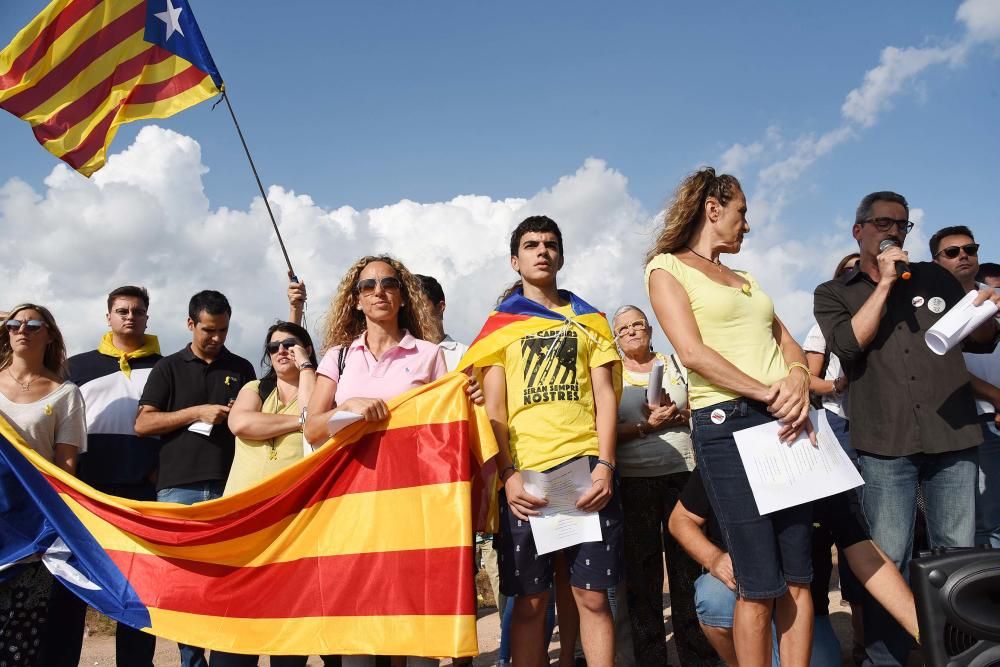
{"x": 951, "y": 252}
{"x": 32, "y": 326}
{"x": 885, "y": 224}
{"x": 288, "y": 344}
{"x": 367, "y": 286}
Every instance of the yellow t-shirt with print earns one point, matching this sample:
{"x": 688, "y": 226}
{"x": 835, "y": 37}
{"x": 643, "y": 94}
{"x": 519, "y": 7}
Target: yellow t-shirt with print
{"x": 734, "y": 322}
{"x": 550, "y": 397}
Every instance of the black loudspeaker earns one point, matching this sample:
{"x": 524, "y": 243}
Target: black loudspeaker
{"x": 957, "y": 593}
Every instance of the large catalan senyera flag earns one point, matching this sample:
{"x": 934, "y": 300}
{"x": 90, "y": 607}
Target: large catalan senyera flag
{"x": 517, "y": 316}
{"x": 365, "y": 547}
{"x": 81, "y": 68}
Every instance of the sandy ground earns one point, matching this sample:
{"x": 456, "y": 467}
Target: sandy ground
{"x": 99, "y": 650}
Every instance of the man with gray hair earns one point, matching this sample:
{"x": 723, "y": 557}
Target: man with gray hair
{"x": 913, "y": 419}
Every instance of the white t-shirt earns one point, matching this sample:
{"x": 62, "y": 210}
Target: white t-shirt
{"x": 664, "y": 452}
{"x": 815, "y": 342}
{"x": 56, "y": 418}
{"x": 453, "y": 351}
{"x": 986, "y": 367}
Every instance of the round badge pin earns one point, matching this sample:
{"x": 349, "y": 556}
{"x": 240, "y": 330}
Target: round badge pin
{"x": 936, "y": 304}
{"x": 917, "y": 301}
{"x": 718, "y": 416}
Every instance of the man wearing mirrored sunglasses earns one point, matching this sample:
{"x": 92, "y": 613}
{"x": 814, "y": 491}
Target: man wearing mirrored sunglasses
{"x": 117, "y": 461}
{"x": 956, "y": 249}
{"x": 911, "y": 411}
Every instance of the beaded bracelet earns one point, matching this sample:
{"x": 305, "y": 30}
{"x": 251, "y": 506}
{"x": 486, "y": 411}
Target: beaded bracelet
{"x": 602, "y": 462}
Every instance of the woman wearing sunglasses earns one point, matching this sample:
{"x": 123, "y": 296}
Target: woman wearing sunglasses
{"x": 655, "y": 460}
{"x": 266, "y": 420}
{"x": 48, "y": 413}
{"x": 376, "y": 349}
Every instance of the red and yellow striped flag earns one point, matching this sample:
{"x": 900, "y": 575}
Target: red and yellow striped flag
{"x": 365, "y": 547}
{"x": 81, "y": 68}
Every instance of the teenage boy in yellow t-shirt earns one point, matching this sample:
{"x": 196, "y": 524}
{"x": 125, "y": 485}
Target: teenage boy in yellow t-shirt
{"x": 551, "y": 400}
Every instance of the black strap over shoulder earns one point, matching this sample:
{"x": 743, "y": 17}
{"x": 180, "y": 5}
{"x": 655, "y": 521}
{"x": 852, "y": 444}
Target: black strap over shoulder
{"x": 266, "y": 386}
{"x": 341, "y": 360}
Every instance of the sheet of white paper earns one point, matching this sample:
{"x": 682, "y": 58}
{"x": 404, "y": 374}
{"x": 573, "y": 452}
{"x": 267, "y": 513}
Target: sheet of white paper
{"x": 202, "y": 428}
{"x": 783, "y": 475}
{"x": 560, "y": 524}
{"x": 655, "y": 383}
{"x": 340, "y": 420}
{"x": 958, "y": 323}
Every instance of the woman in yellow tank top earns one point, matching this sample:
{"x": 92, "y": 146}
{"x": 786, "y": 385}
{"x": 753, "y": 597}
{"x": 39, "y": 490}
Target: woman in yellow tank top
{"x": 745, "y": 369}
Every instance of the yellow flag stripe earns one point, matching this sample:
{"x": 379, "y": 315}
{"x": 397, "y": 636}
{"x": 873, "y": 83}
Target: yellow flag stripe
{"x": 366, "y": 523}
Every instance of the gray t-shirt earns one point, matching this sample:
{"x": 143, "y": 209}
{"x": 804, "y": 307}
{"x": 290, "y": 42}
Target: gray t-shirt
{"x": 56, "y": 418}
{"x": 664, "y": 452}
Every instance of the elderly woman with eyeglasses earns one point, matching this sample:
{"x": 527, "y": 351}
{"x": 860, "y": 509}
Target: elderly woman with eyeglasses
{"x": 654, "y": 460}
{"x": 47, "y": 412}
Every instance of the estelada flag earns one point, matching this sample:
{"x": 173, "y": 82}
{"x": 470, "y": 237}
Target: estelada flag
{"x": 518, "y": 316}
{"x": 81, "y": 68}
{"x": 365, "y": 547}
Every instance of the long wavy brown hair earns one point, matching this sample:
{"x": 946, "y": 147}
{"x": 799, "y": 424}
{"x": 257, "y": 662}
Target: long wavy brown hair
{"x": 345, "y": 322}
{"x": 687, "y": 206}
{"x": 55, "y": 353}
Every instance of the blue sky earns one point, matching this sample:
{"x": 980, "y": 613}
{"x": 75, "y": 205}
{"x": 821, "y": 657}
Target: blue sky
{"x": 366, "y": 105}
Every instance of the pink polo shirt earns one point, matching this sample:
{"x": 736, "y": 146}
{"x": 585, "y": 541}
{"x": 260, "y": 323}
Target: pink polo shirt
{"x": 410, "y": 364}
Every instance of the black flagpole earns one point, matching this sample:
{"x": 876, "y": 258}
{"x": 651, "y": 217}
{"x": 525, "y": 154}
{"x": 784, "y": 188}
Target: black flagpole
{"x": 260, "y": 186}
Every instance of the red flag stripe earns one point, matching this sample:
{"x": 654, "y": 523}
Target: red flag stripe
{"x": 498, "y": 321}
{"x": 28, "y": 58}
{"x": 86, "y": 104}
{"x": 361, "y": 467}
{"x": 93, "y": 142}
{"x": 423, "y": 582}
{"x": 146, "y": 93}
{"x": 89, "y": 50}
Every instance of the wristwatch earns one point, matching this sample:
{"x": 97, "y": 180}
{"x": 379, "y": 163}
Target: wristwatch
{"x": 302, "y": 418}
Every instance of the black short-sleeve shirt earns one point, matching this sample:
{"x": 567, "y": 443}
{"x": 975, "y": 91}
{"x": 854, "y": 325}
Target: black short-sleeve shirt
{"x": 904, "y": 399}
{"x": 182, "y": 380}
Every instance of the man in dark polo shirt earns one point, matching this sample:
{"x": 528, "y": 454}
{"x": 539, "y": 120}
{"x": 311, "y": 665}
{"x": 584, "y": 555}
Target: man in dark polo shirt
{"x": 912, "y": 414}
{"x": 186, "y": 401}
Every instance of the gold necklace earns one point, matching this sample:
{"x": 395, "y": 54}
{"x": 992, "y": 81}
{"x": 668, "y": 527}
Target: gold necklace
{"x": 23, "y": 386}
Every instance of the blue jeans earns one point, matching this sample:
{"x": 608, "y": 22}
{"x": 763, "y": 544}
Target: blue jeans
{"x": 715, "y": 603}
{"x": 190, "y": 494}
{"x": 889, "y": 503}
{"x": 988, "y": 490}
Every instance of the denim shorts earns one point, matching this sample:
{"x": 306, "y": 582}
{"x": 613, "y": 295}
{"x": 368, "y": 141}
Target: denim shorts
{"x": 767, "y": 551}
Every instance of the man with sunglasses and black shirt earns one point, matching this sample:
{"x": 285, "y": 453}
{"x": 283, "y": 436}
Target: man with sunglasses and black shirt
{"x": 911, "y": 411}
{"x": 956, "y": 249}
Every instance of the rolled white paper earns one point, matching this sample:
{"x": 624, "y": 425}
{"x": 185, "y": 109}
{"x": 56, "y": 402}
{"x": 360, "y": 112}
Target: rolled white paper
{"x": 958, "y": 323}
{"x": 655, "y": 383}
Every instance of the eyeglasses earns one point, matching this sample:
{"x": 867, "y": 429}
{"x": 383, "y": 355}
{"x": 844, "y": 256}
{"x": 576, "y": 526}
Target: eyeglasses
{"x": 885, "y": 224}
{"x": 367, "y": 286}
{"x": 637, "y": 326}
{"x": 135, "y": 312}
{"x": 288, "y": 344}
{"x": 951, "y": 252}
{"x": 32, "y": 326}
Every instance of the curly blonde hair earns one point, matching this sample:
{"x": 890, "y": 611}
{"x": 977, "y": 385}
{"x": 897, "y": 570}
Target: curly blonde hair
{"x": 55, "y": 352}
{"x": 345, "y": 322}
{"x": 685, "y": 208}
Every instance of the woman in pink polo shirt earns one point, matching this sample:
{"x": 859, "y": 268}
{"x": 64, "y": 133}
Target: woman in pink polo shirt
{"x": 375, "y": 351}
{"x": 375, "y": 345}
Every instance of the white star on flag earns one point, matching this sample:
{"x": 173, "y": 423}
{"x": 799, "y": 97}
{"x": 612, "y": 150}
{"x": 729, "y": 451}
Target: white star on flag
{"x": 170, "y": 18}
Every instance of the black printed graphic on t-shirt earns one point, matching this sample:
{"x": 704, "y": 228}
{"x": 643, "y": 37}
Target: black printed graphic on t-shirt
{"x": 550, "y": 367}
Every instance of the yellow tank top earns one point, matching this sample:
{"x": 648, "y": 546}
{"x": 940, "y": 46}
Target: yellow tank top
{"x": 735, "y": 323}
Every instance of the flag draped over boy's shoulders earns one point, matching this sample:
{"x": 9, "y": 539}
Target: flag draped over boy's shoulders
{"x": 518, "y": 316}
{"x": 81, "y": 68}
{"x": 365, "y": 547}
